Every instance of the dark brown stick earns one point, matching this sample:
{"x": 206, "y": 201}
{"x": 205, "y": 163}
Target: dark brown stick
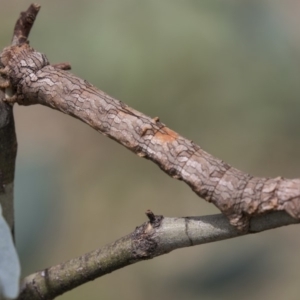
{"x": 8, "y": 140}
{"x": 8, "y": 152}
{"x": 24, "y": 24}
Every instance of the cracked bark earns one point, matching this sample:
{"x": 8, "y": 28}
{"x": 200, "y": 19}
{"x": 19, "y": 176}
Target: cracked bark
{"x": 238, "y": 195}
{"x": 27, "y": 78}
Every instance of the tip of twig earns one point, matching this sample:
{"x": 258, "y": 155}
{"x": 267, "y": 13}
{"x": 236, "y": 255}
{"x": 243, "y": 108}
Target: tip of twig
{"x": 150, "y": 215}
{"x": 24, "y": 24}
{"x": 155, "y": 220}
{"x": 36, "y": 6}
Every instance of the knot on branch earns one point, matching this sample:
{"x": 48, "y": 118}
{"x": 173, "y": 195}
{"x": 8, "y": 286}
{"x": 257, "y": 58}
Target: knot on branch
{"x": 144, "y": 244}
{"x": 20, "y": 63}
{"x": 155, "y": 220}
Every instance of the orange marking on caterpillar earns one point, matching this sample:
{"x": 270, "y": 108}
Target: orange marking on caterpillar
{"x": 166, "y": 135}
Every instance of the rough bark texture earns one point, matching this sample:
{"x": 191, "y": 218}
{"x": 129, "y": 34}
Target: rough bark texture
{"x": 238, "y": 195}
{"x": 26, "y": 77}
{"x": 24, "y": 24}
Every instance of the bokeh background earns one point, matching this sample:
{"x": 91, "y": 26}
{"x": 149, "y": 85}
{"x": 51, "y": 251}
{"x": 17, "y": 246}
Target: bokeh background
{"x": 222, "y": 73}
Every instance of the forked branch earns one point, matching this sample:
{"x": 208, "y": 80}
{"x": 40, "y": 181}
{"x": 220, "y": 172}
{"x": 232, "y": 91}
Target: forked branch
{"x": 28, "y": 78}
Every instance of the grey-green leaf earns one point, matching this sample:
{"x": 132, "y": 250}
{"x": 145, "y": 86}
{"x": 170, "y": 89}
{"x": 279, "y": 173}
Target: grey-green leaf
{"x": 9, "y": 263}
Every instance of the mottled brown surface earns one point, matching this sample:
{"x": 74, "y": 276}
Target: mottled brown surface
{"x": 24, "y": 24}
{"x": 238, "y": 195}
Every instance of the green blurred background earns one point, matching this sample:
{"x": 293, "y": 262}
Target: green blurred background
{"x": 222, "y": 73}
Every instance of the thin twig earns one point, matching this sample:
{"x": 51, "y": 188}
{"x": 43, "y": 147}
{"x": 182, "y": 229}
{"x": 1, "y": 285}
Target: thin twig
{"x": 145, "y": 242}
{"x": 24, "y": 24}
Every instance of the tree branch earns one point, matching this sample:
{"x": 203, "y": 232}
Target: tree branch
{"x": 238, "y": 195}
{"x": 28, "y": 79}
{"x": 154, "y": 238}
{"x": 8, "y": 140}
{"x": 24, "y": 24}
